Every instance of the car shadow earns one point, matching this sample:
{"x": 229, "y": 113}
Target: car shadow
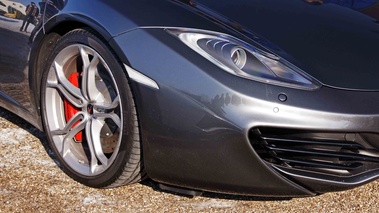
{"x": 155, "y": 186}
{"x": 20, "y": 122}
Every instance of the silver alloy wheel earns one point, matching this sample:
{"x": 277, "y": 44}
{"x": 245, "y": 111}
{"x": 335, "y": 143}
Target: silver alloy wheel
{"x": 97, "y": 110}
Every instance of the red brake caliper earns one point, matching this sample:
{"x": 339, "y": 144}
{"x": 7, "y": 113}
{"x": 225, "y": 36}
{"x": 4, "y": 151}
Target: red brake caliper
{"x": 69, "y": 109}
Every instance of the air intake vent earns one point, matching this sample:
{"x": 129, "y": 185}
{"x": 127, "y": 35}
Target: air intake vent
{"x": 342, "y": 154}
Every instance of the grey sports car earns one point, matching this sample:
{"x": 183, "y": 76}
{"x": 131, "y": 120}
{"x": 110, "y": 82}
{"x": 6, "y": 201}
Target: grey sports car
{"x": 255, "y": 97}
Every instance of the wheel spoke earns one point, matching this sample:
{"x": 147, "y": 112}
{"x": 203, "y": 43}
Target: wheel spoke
{"x": 70, "y": 135}
{"x": 69, "y": 125}
{"x": 93, "y": 130}
{"x": 116, "y": 119}
{"x": 104, "y": 106}
{"x": 85, "y": 57}
{"x": 89, "y": 88}
{"x": 69, "y": 91}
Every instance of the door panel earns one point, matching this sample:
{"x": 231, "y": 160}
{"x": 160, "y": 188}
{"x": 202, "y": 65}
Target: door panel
{"x": 18, "y": 19}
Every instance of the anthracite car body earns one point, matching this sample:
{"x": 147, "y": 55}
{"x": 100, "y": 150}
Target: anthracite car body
{"x": 270, "y": 98}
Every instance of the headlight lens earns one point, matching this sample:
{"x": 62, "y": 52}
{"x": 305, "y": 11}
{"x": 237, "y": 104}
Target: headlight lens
{"x": 244, "y": 60}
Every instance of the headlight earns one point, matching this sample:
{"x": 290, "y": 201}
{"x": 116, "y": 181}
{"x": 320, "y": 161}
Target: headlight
{"x": 244, "y": 60}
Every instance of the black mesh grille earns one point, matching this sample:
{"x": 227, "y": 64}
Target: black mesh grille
{"x": 342, "y": 154}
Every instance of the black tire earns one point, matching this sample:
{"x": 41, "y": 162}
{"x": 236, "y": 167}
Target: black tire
{"x": 91, "y": 127}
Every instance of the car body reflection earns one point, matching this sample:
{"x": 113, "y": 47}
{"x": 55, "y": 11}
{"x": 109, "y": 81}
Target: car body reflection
{"x": 12, "y": 9}
{"x": 19, "y": 23}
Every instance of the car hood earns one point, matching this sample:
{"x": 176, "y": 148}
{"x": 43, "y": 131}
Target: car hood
{"x": 336, "y": 44}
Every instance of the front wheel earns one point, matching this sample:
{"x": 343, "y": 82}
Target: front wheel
{"x": 89, "y": 114}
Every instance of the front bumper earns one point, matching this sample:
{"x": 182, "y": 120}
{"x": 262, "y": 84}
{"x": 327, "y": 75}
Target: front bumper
{"x": 199, "y": 128}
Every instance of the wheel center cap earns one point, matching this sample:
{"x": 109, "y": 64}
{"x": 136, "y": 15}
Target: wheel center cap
{"x": 90, "y": 109}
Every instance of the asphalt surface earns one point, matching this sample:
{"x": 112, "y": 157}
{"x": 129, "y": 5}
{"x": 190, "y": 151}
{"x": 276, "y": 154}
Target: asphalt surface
{"x": 31, "y": 181}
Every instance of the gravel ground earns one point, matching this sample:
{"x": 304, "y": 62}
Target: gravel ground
{"x": 31, "y": 181}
